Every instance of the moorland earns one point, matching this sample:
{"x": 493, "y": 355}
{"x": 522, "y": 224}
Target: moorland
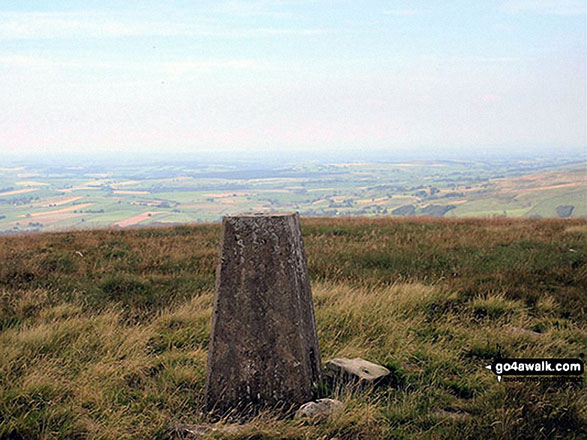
{"x": 104, "y": 333}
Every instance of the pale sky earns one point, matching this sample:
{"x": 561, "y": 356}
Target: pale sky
{"x": 274, "y": 75}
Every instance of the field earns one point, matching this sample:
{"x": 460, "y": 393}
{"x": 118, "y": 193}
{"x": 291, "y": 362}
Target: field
{"x": 40, "y": 197}
{"x": 105, "y": 332}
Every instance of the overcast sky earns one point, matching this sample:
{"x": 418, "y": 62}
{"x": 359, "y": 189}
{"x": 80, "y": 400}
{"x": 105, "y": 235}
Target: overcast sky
{"x": 180, "y": 76}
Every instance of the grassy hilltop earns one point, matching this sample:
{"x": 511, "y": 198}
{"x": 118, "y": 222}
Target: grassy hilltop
{"x": 104, "y": 333}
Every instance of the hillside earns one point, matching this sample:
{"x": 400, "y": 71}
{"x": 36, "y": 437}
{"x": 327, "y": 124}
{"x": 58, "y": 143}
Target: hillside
{"x": 105, "y": 332}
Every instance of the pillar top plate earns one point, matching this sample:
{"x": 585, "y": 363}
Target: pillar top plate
{"x": 263, "y": 214}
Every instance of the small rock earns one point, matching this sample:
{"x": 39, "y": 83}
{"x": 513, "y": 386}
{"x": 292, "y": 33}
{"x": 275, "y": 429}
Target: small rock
{"x": 318, "y": 410}
{"x": 202, "y": 431}
{"x": 355, "y": 370}
{"x": 521, "y": 331}
{"x": 450, "y": 413}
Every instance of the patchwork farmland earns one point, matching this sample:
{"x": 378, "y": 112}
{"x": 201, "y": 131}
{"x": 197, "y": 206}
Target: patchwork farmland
{"x": 41, "y": 198}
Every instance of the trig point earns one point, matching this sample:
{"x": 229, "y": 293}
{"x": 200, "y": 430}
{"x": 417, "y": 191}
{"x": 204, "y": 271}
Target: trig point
{"x": 263, "y": 349}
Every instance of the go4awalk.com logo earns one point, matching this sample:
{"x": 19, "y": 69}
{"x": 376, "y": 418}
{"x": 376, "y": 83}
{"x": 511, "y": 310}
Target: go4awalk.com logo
{"x": 537, "y": 369}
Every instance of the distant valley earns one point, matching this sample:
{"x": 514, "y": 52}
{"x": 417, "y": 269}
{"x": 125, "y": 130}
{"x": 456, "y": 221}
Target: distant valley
{"x": 39, "y": 197}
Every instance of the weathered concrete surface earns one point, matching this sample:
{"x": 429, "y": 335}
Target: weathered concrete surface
{"x": 355, "y": 370}
{"x": 318, "y": 410}
{"x": 263, "y": 349}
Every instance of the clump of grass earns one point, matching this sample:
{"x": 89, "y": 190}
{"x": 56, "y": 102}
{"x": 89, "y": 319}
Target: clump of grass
{"x": 126, "y": 289}
{"x": 495, "y": 307}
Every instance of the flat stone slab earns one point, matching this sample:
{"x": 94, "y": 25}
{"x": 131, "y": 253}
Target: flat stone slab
{"x": 318, "y": 410}
{"x": 264, "y": 348}
{"x": 355, "y": 370}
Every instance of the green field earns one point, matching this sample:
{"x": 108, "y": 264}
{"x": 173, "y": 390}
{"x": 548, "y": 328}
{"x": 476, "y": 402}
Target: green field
{"x": 36, "y": 197}
{"x": 104, "y": 333}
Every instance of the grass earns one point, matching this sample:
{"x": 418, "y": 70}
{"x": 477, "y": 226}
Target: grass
{"x": 547, "y": 208}
{"x": 104, "y": 333}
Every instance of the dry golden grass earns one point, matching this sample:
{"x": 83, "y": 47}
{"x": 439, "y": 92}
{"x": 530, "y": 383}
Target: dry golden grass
{"x": 105, "y": 333}
{"x": 74, "y": 374}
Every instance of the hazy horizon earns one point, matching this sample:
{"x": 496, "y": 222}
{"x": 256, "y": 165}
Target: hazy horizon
{"x": 292, "y": 157}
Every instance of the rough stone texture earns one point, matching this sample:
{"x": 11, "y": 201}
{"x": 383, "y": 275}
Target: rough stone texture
{"x": 356, "y": 370}
{"x": 318, "y": 410}
{"x": 264, "y": 348}
{"x": 202, "y": 431}
{"x": 451, "y": 413}
{"x": 521, "y": 331}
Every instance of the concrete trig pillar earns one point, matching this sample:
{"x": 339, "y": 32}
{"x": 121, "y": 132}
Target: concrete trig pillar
{"x": 264, "y": 348}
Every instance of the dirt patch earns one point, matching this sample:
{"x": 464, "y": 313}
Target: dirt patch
{"x": 18, "y": 191}
{"x": 137, "y": 219}
{"x": 57, "y": 211}
{"x": 540, "y": 182}
{"x": 47, "y": 220}
{"x": 320, "y": 189}
{"x": 31, "y": 183}
{"x": 540, "y": 188}
{"x": 62, "y": 201}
